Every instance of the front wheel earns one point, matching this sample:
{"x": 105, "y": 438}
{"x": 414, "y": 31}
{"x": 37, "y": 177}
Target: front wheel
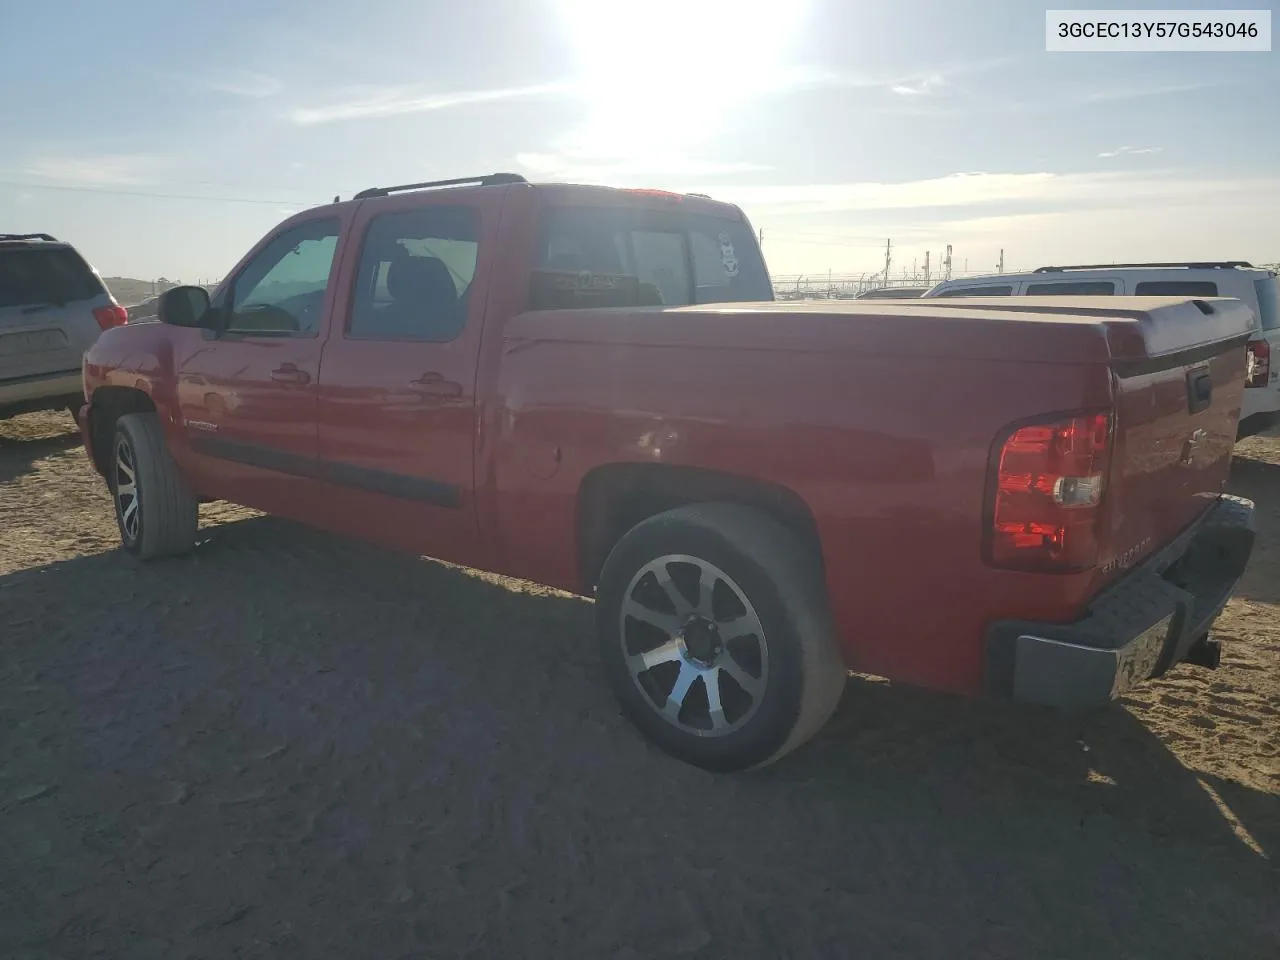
{"x": 156, "y": 514}
{"x": 713, "y": 627}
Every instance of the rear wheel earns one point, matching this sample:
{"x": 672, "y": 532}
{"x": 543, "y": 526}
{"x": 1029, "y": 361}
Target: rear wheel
{"x": 713, "y": 627}
{"x": 155, "y": 513}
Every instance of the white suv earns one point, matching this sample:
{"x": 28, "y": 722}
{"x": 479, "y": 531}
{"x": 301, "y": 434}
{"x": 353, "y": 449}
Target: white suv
{"x": 1255, "y": 286}
{"x": 53, "y": 307}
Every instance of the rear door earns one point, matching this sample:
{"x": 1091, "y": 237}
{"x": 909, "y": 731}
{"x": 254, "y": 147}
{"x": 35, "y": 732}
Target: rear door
{"x": 47, "y": 298}
{"x": 397, "y": 388}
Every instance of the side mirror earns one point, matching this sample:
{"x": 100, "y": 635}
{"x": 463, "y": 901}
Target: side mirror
{"x": 183, "y": 306}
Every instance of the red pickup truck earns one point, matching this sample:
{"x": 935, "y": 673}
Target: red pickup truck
{"x": 593, "y": 389}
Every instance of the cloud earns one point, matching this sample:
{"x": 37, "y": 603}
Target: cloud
{"x": 904, "y": 83}
{"x": 918, "y": 88}
{"x": 244, "y": 83}
{"x": 123, "y": 168}
{"x": 590, "y": 167}
{"x": 1230, "y": 225}
{"x": 1128, "y": 152}
{"x": 1039, "y": 190}
{"x": 1139, "y": 92}
{"x": 397, "y": 101}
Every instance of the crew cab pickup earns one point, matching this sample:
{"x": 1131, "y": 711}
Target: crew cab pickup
{"x": 593, "y": 388}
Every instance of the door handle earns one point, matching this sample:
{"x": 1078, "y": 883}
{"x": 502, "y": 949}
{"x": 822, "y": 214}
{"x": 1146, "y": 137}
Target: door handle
{"x": 436, "y": 386}
{"x": 288, "y": 373}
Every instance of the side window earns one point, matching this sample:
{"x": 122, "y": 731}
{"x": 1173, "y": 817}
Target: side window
{"x": 623, "y": 256}
{"x": 281, "y": 291}
{"x": 1080, "y": 288}
{"x": 1268, "y": 303}
{"x": 1176, "y": 288}
{"x": 991, "y": 291}
{"x": 415, "y": 275}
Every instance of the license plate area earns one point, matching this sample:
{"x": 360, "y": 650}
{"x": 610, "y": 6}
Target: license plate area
{"x": 31, "y": 341}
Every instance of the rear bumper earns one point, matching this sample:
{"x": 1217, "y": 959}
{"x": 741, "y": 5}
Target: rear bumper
{"x": 1135, "y": 629}
{"x": 30, "y": 392}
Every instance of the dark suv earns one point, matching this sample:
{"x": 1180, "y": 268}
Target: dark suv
{"x": 53, "y": 307}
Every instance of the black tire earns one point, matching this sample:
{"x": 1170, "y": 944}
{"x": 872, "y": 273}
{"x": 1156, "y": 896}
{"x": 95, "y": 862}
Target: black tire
{"x": 782, "y": 580}
{"x": 166, "y": 514}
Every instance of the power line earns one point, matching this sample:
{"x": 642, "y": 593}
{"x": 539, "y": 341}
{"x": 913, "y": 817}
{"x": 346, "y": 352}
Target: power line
{"x": 156, "y": 196}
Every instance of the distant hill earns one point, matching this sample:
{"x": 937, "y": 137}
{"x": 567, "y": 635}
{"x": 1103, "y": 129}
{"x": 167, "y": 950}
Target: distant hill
{"x": 129, "y": 292}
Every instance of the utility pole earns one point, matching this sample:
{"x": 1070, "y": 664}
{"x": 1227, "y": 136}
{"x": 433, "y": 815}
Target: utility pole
{"x": 1001, "y": 270}
{"x": 926, "y": 267}
{"x": 888, "y": 258}
{"x": 947, "y": 263}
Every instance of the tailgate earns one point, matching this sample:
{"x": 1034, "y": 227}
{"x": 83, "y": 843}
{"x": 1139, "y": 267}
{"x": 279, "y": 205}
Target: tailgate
{"x": 1178, "y": 384}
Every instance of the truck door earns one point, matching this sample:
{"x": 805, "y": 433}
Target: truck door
{"x": 247, "y": 392}
{"x": 397, "y": 404}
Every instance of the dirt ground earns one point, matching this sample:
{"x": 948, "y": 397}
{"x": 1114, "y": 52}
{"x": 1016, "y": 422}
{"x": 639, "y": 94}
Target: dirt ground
{"x": 289, "y": 745}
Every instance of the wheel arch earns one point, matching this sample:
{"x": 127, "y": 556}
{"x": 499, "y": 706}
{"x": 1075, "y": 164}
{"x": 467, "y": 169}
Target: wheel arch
{"x": 110, "y": 403}
{"x": 614, "y": 498}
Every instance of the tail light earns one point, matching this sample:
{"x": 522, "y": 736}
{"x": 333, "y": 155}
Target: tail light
{"x": 111, "y": 316}
{"x": 1259, "y": 365}
{"x": 1045, "y": 501}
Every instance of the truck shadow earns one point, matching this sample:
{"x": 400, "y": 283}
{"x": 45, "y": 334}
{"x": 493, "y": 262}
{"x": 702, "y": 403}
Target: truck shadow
{"x": 1259, "y": 480}
{"x": 19, "y": 454}
{"x": 286, "y": 722}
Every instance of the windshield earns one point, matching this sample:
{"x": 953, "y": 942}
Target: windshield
{"x": 1268, "y": 305}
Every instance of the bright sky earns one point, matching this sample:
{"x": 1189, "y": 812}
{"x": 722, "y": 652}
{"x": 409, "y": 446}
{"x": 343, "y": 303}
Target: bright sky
{"x": 165, "y": 138}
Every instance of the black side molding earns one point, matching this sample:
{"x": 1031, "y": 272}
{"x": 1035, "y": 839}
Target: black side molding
{"x": 420, "y": 489}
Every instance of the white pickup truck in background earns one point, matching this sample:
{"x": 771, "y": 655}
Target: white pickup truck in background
{"x": 1257, "y": 287}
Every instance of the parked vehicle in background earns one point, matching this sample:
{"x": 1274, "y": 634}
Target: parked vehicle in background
{"x": 53, "y": 306}
{"x": 146, "y": 310}
{"x": 592, "y": 388}
{"x": 892, "y": 293}
{"x": 1255, "y": 286}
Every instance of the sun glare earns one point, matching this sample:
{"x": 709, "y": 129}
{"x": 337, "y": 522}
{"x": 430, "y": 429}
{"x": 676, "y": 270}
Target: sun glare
{"x": 674, "y": 70}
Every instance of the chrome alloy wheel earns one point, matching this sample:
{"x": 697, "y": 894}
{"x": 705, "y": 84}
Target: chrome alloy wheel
{"x": 126, "y": 484}
{"x": 694, "y": 645}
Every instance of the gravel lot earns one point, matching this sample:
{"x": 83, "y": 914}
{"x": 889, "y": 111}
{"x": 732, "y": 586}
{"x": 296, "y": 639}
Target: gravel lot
{"x": 289, "y": 745}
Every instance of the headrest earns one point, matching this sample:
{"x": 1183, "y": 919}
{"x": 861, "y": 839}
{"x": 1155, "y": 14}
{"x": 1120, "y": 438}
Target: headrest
{"x": 420, "y": 280}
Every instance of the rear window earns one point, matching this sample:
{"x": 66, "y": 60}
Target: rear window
{"x": 1176, "y": 288}
{"x": 990, "y": 291}
{"x": 1079, "y": 288}
{"x": 1268, "y": 303}
{"x": 29, "y": 277}
{"x": 597, "y": 256}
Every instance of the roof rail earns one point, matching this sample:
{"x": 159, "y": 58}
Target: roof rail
{"x": 490, "y": 180}
{"x": 27, "y": 236}
{"x": 1198, "y": 265}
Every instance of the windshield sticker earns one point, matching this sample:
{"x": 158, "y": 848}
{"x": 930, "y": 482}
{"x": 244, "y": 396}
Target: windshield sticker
{"x": 727, "y": 255}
